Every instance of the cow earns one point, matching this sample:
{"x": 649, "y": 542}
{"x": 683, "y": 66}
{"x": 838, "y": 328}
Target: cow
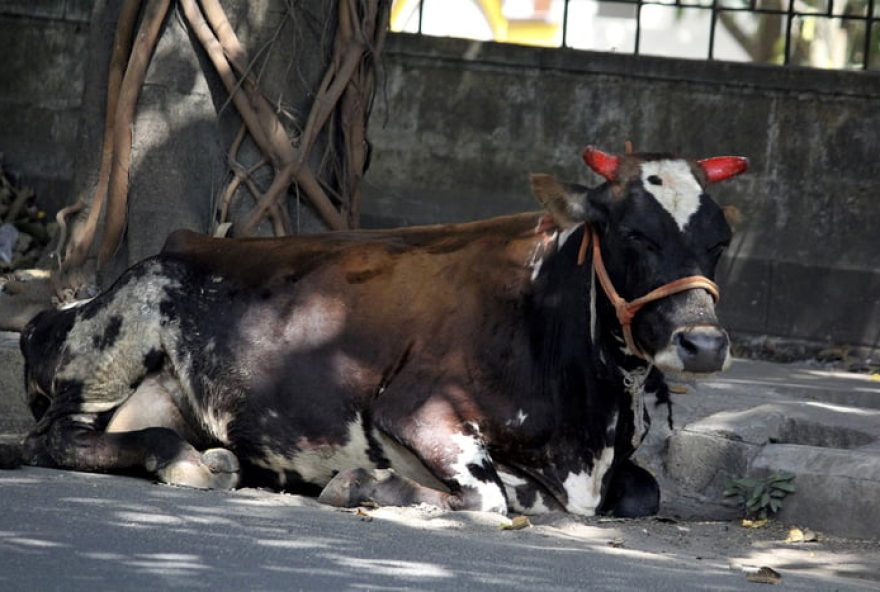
{"x": 498, "y": 365}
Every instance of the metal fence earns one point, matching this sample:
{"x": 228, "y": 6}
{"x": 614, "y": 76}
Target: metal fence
{"x": 842, "y": 34}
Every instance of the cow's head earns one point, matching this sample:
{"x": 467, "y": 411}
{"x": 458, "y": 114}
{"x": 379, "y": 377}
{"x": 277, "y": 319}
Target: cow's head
{"x": 656, "y": 225}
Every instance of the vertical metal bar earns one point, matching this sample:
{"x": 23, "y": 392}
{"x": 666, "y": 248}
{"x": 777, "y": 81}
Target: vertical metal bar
{"x": 712, "y": 24}
{"x": 638, "y": 26}
{"x": 421, "y": 11}
{"x": 786, "y": 59}
{"x": 565, "y": 24}
{"x": 869, "y": 22}
{"x": 830, "y": 10}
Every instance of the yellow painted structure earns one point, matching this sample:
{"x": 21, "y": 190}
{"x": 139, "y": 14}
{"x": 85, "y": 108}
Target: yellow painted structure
{"x": 524, "y": 32}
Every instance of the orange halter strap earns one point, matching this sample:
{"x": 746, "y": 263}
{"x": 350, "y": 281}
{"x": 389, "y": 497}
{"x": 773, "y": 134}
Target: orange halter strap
{"x": 627, "y": 310}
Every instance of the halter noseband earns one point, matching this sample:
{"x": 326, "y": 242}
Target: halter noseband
{"x": 627, "y": 310}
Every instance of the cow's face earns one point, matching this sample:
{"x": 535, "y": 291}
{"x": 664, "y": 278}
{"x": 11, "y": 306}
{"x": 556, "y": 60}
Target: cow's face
{"x": 657, "y": 224}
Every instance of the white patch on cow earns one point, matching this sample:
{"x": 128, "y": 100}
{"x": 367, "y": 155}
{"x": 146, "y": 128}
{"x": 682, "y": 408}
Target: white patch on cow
{"x": 593, "y": 308}
{"x": 668, "y": 359}
{"x": 217, "y": 424}
{"x": 584, "y": 490}
{"x": 679, "y": 193}
{"x": 536, "y": 259}
{"x": 518, "y": 419}
{"x": 472, "y": 452}
{"x": 318, "y": 462}
{"x": 75, "y": 303}
{"x": 511, "y": 483}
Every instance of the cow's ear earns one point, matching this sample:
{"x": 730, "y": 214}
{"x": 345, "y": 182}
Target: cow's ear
{"x": 569, "y": 204}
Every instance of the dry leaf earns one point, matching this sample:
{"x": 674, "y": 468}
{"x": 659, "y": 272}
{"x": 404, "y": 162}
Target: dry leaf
{"x": 678, "y": 389}
{"x": 616, "y": 543}
{"x": 517, "y": 523}
{"x": 363, "y": 515}
{"x": 754, "y": 523}
{"x": 796, "y": 535}
{"x": 765, "y": 575}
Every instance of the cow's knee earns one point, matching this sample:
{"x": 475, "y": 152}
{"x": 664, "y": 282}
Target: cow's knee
{"x": 216, "y": 468}
{"x": 632, "y": 492}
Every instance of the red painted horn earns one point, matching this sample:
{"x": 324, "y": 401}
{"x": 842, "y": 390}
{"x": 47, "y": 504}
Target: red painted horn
{"x": 723, "y": 167}
{"x": 604, "y": 164}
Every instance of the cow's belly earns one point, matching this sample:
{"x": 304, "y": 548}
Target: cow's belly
{"x": 318, "y": 463}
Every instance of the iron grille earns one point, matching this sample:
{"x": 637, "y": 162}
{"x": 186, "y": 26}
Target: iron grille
{"x": 861, "y": 18}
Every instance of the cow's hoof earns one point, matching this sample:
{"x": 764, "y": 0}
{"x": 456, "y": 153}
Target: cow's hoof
{"x": 346, "y": 489}
{"x": 216, "y": 468}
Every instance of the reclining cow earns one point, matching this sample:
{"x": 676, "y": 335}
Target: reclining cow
{"x": 492, "y": 365}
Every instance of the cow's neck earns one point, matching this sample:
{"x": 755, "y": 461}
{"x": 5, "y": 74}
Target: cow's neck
{"x": 591, "y": 355}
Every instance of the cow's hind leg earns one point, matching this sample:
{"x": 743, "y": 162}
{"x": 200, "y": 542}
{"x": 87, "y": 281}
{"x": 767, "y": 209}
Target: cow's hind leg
{"x": 382, "y": 487}
{"x": 632, "y": 492}
{"x": 459, "y": 461}
{"x": 74, "y": 445}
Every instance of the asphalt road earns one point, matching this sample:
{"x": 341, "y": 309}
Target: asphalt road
{"x": 75, "y": 531}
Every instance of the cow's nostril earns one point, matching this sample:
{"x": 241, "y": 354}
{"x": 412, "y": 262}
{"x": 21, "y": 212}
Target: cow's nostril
{"x": 702, "y": 349}
{"x": 685, "y": 343}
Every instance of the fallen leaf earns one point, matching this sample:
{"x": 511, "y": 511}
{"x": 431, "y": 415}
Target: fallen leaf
{"x": 678, "y": 389}
{"x": 875, "y": 377}
{"x": 765, "y": 575}
{"x": 616, "y": 543}
{"x": 754, "y": 523}
{"x": 516, "y": 523}
{"x": 363, "y": 515}
{"x": 795, "y": 535}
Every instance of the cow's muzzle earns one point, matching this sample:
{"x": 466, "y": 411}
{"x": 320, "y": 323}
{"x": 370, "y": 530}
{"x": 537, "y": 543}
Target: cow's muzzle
{"x": 692, "y": 347}
{"x": 699, "y": 349}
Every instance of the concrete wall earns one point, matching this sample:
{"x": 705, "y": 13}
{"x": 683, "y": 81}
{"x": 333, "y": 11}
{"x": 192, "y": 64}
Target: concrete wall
{"x": 462, "y": 123}
{"x": 43, "y": 47}
{"x": 459, "y": 124}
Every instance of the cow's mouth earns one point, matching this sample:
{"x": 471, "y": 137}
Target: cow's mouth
{"x": 697, "y": 349}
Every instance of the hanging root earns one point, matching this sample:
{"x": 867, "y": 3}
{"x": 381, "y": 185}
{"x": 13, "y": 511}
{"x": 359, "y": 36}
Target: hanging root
{"x": 132, "y": 82}
{"x": 340, "y": 111}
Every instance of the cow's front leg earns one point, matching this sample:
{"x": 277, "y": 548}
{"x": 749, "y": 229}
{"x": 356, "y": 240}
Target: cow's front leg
{"x": 632, "y": 492}
{"x": 76, "y": 445}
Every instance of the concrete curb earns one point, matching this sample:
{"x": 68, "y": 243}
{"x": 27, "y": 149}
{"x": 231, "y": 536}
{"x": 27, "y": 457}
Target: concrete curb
{"x": 824, "y": 427}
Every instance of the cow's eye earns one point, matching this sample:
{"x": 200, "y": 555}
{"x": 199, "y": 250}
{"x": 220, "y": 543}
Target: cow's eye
{"x": 718, "y": 249}
{"x": 641, "y": 240}
{"x": 655, "y": 180}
